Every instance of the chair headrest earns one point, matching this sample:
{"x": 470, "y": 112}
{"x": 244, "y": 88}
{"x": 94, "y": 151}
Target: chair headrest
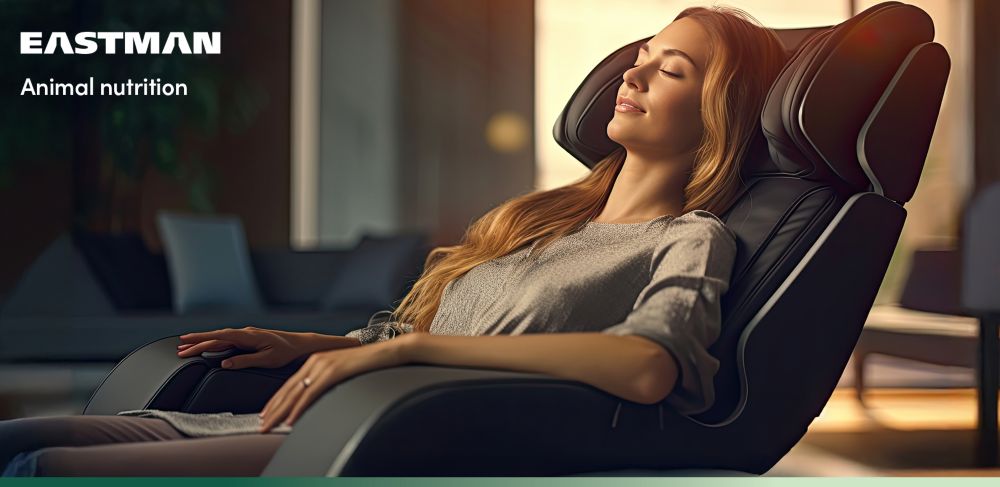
{"x": 820, "y": 113}
{"x": 837, "y": 112}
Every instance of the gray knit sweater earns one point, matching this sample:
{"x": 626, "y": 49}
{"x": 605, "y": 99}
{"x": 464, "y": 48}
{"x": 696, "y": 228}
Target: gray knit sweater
{"x": 661, "y": 279}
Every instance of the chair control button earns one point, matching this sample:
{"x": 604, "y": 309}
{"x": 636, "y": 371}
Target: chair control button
{"x": 221, "y": 354}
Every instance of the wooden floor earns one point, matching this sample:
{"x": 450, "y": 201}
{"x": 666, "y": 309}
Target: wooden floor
{"x": 896, "y": 432}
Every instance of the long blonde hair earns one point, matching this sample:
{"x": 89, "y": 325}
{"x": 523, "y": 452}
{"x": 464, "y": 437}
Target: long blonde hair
{"x": 744, "y": 60}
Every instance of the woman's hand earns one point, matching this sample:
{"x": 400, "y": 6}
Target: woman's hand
{"x": 326, "y": 369}
{"x": 272, "y": 348}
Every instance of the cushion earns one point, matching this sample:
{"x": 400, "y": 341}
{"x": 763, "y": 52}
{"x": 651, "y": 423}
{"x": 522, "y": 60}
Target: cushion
{"x": 209, "y": 263}
{"x": 296, "y": 277}
{"x": 133, "y": 277}
{"x": 376, "y": 272}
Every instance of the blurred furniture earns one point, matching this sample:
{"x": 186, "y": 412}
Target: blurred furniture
{"x": 845, "y": 132}
{"x": 209, "y": 263}
{"x": 928, "y": 324}
{"x": 948, "y": 314}
{"x": 95, "y": 298}
{"x": 981, "y": 297}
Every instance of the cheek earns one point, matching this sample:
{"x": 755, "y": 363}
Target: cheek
{"x": 678, "y": 115}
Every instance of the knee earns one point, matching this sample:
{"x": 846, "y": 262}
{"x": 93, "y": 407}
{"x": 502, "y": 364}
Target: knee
{"x": 17, "y": 437}
{"x": 38, "y": 463}
{"x": 22, "y": 465}
{"x": 22, "y": 436}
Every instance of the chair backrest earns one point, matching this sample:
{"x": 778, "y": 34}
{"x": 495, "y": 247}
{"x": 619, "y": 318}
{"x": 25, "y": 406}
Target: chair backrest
{"x": 845, "y": 130}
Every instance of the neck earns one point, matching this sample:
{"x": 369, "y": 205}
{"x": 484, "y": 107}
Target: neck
{"x": 647, "y": 188}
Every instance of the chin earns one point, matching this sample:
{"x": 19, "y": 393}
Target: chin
{"x": 617, "y": 134}
{"x": 620, "y": 135}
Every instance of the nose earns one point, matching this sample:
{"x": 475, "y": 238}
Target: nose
{"x": 634, "y": 78}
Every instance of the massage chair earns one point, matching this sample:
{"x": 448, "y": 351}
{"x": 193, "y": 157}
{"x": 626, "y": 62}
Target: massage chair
{"x": 845, "y": 130}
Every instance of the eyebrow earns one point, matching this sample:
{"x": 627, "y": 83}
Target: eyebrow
{"x": 672, "y": 52}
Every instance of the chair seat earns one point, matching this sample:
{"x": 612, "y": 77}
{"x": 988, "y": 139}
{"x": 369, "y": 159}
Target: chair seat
{"x": 897, "y": 319}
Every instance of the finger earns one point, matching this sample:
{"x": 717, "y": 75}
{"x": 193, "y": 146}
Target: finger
{"x": 270, "y": 402}
{"x": 277, "y": 396}
{"x": 257, "y": 359}
{"x": 295, "y": 378}
{"x": 191, "y": 348}
{"x": 281, "y": 408}
{"x": 201, "y": 336}
{"x": 282, "y": 391}
{"x": 209, "y": 346}
{"x": 308, "y": 397}
{"x": 239, "y": 337}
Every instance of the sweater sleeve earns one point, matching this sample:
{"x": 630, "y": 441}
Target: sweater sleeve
{"x": 680, "y": 308}
{"x": 379, "y": 330}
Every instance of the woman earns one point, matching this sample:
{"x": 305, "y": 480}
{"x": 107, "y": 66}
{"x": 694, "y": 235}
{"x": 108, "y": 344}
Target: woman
{"x": 614, "y": 280}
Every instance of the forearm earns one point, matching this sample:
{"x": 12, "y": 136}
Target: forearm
{"x": 630, "y": 367}
{"x": 309, "y": 342}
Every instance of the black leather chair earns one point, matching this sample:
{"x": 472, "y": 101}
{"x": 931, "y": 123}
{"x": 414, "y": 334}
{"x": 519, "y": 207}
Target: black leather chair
{"x": 846, "y": 129}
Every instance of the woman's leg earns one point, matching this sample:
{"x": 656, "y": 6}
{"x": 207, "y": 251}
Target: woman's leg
{"x": 230, "y": 456}
{"x": 24, "y": 435}
{"x": 126, "y": 445}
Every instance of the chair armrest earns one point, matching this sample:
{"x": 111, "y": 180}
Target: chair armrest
{"x": 154, "y": 377}
{"x": 423, "y": 420}
{"x": 418, "y": 420}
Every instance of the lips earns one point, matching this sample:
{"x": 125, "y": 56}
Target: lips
{"x": 627, "y": 101}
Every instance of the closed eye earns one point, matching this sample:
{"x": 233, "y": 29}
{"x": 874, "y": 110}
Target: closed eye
{"x": 675, "y": 75}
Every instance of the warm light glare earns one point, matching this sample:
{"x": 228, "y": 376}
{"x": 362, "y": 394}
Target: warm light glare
{"x": 507, "y": 132}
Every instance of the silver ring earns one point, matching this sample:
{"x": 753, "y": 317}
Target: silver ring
{"x": 306, "y": 382}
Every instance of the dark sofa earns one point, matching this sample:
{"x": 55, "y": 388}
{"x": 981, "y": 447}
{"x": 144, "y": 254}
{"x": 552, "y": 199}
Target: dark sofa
{"x": 95, "y": 298}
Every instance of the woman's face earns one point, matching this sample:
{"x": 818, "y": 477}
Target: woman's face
{"x": 666, "y": 86}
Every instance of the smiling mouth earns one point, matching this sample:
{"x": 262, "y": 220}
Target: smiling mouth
{"x": 626, "y": 105}
{"x": 626, "y": 108}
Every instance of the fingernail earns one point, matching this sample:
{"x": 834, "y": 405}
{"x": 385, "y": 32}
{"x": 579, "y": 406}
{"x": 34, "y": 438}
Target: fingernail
{"x": 226, "y": 363}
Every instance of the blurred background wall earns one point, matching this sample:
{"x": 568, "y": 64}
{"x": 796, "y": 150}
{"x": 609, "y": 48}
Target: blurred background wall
{"x": 411, "y": 91}
{"x": 230, "y": 144}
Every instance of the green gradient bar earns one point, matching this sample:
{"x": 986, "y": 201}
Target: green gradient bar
{"x": 501, "y": 481}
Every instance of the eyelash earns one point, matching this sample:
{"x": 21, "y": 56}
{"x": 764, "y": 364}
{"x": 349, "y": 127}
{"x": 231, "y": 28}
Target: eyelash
{"x": 662, "y": 71}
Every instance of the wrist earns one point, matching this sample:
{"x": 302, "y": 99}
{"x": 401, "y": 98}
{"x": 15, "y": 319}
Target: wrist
{"x": 310, "y": 342}
{"x": 409, "y": 346}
